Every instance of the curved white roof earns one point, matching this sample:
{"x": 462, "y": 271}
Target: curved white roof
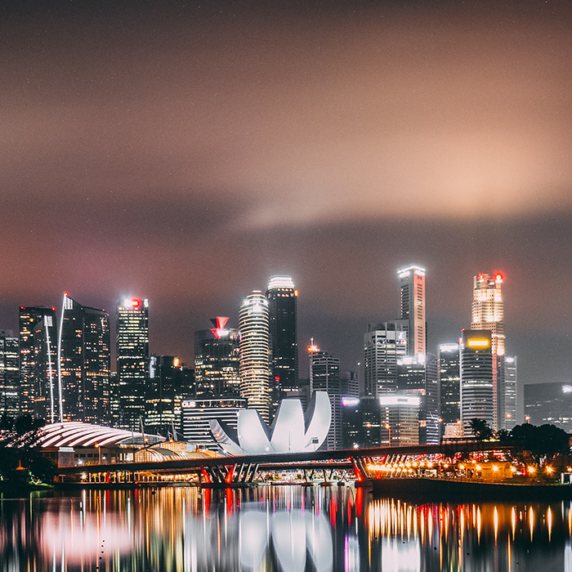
{"x": 76, "y": 434}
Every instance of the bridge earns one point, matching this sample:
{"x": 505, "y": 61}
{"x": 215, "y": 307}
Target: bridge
{"x": 357, "y": 464}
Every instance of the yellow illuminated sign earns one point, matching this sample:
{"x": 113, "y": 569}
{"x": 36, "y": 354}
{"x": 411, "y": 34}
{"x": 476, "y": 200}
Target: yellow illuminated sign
{"x": 478, "y": 343}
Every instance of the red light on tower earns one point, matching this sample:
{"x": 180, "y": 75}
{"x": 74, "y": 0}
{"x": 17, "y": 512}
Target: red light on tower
{"x": 135, "y": 303}
{"x": 499, "y": 277}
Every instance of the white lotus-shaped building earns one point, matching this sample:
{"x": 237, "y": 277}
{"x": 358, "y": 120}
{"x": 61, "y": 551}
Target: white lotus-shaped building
{"x": 292, "y": 430}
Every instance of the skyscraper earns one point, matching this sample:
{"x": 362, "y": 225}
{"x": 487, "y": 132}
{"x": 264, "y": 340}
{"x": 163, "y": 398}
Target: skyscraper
{"x": 9, "y": 375}
{"x": 167, "y": 388}
{"x": 449, "y": 384}
{"x": 253, "y": 324}
{"x": 132, "y": 336}
{"x": 488, "y": 314}
{"x": 412, "y": 287}
{"x": 39, "y": 395}
{"x": 476, "y": 378}
{"x": 217, "y": 361}
{"x": 325, "y": 376}
{"x": 282, "y": 313}
{"x": 84, "y": 362}
{"x": 384, "y": 345}
{"x": 510, "y": 391}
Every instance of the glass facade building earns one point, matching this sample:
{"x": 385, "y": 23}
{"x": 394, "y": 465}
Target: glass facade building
{"x": 476, "y": 378}
{"x": 253, "y": 324}
{"x": 84, "y": 362}
{"x": 9, "y": 375}
{"x": 488, "y": 314}
{"x": 217, "y": 361}
{"x": 132, "y": 342}
{"x": 412, "y": 294}
{"x": 283, "y": 323}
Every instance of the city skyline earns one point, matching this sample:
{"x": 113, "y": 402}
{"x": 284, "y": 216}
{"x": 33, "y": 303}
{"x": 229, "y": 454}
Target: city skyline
{"x": 333, "y": 143}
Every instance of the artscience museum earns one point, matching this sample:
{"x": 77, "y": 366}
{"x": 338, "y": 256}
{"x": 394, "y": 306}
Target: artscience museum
{"x": 293, "y": 431}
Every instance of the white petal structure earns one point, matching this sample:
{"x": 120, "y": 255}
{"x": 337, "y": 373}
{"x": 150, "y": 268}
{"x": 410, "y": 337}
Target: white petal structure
{"x": 292, "y": 432}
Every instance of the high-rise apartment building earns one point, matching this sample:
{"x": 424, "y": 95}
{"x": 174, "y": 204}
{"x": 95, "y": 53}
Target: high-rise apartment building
{"x": 39, "y": 394}
{"x": 412, "y": 288}
{"x": 449, "y": 384}
{"x": 132, "y": 337}
{"x": 325, "y": 376}
{"x": 84, "y": 349}
{"x": 217, "y": 361}
{"x": 476, "y": 378}
{"x": 384, "y": 345}
{"x": 488, "y": 314}
{"x": 283, "y": 322}
{"x": 253, "y": 323}
{"x": 510, "y": 391}
{"x": 9, "y": 375}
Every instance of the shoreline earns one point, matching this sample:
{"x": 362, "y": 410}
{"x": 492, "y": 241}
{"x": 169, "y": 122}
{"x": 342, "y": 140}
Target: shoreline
{"x": 429, "y": 490}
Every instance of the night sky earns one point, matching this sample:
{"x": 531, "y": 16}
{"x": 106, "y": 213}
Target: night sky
{"x": 185, "y": 152}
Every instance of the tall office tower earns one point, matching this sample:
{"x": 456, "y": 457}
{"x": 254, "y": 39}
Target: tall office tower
{"x": 255, "y": 353}
{"x": 325, "y": 376}
{"x": 476, "y": 378}
{"x": 417, "y": 375}
{"x": 166, "y": 390}
{"x": 132, "y": 336}
{"x": 510, "y": 391}
{"x": 488, "y": 314}
{"x": 384, "y": 344}
{"x": 84, "y": 362}
{"x": 412, "y": 286}
{"x": 449, "y": 387}
{"x": 217, "y": 361}
{"x": 38, "y": 362}
{"x": 9, "y": 375}
{"x": 282, "y": 312}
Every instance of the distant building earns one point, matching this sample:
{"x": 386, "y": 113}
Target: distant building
{"x": 417, "y": 375}
{"x": 9, "y": 375}
{"x": 283, "y": 324}
{"x": 449, "y": 384}
{"x": 217, "y": 361}
{"x": 196, "y": 414}
{"x": 510, "y": 391}
{"x": 412, "y": 289}
{"x": 488, "y": 314}
{"x": 255, "y": 353}
{"x": 167, "y": 388}
{"x": 549, "y": 403}
{"x": 132, "y": 342}
{"x": 349, "y": 384}
{"x": 400, "y": 419}
{"x": 85, "y": 362}
{"x": 362, "y": 422}
{"x": 325, "y": 376}
{"x": 38, "y": 344}
{"x": 476, "y": 378}
{"x": 384, "y": 345}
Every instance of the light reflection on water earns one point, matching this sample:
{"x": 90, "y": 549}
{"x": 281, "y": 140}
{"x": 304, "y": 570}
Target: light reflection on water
{"x": 277, "y": 528}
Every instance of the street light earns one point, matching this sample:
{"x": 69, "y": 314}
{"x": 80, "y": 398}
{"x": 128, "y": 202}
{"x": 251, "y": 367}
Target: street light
{"x": 527, "y": 418}
{"x": 99, "y": 449}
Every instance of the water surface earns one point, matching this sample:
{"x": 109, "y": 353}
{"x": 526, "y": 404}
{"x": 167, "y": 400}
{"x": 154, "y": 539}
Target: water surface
{"x": 288, "y": 528}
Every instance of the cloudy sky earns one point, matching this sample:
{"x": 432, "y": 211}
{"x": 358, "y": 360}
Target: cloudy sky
{"x": 186, "y": 151}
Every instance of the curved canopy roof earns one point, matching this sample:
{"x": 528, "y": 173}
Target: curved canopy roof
{"x": 76, "y": 434}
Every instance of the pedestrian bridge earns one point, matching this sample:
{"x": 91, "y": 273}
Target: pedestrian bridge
{"x": 347, "y": 464}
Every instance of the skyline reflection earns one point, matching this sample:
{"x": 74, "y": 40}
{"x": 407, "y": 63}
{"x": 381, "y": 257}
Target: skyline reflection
{"x": 288, "y": 528}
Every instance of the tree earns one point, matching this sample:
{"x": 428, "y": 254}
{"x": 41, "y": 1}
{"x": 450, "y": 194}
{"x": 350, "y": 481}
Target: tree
{"x": 20, "y": 448}
{"x": 481, "y": 429}
{"x": 546, "y": 440}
